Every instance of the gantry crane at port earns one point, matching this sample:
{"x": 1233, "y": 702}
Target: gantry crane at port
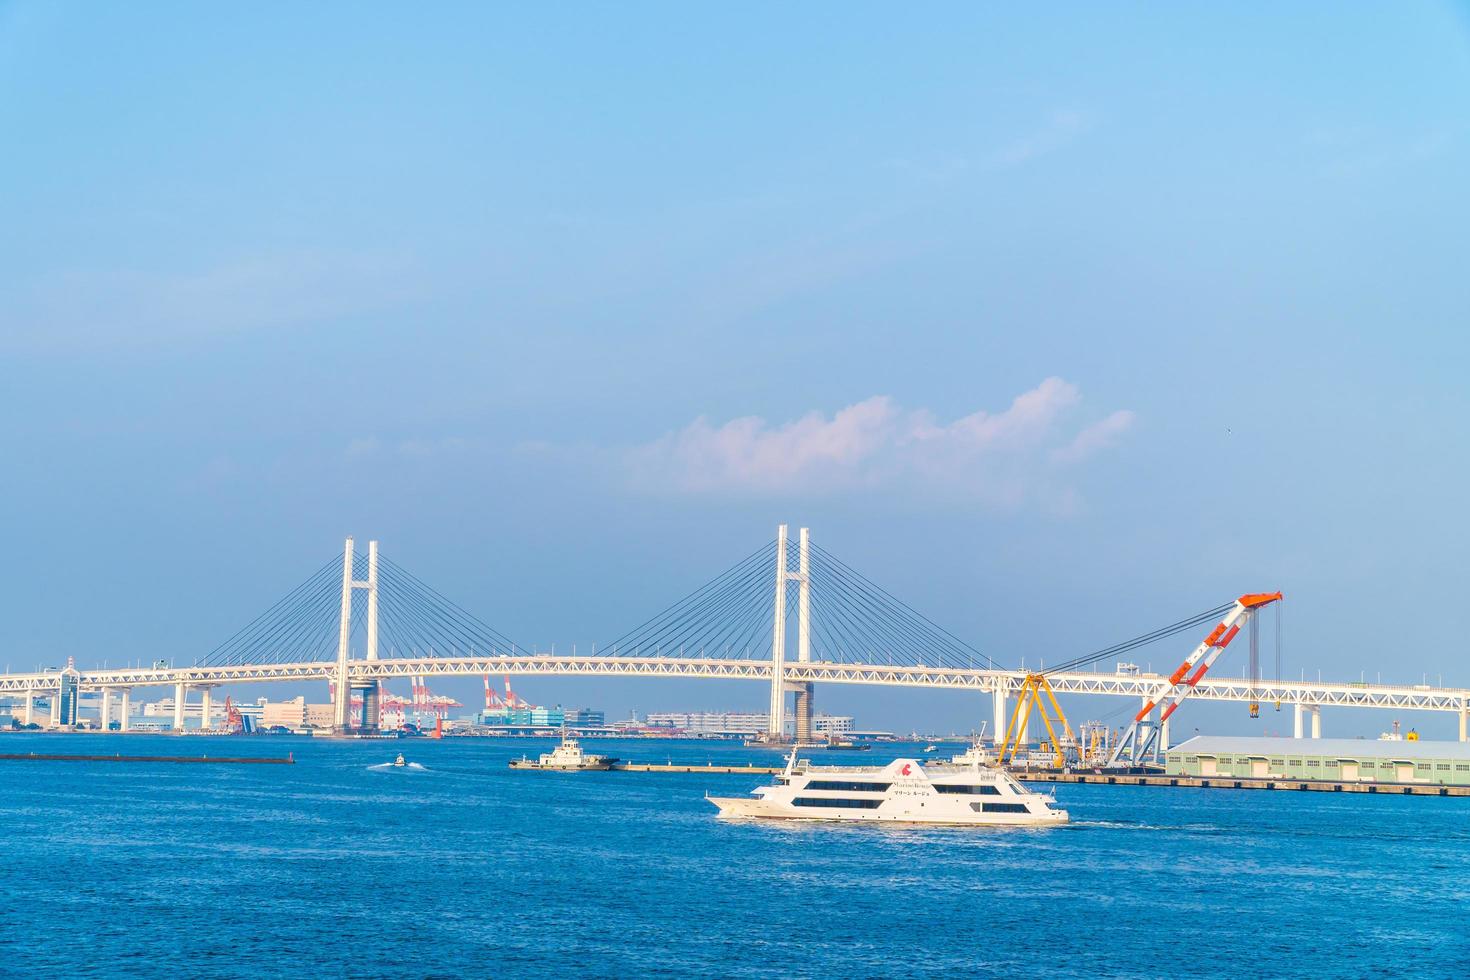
{"x": 1036, "y": 694}
{"x": 1142, "y": 735}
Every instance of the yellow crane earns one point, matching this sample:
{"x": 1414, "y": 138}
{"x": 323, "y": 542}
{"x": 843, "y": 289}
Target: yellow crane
{"x": 1036, "y": 695}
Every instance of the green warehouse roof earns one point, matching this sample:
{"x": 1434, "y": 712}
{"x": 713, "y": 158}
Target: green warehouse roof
{"x": 1337, "y": 748}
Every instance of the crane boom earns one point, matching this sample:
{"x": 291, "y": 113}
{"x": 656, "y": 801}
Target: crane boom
{"x": 1141, "y": 736}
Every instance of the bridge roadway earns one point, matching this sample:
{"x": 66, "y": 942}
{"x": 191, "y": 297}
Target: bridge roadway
{"x": 1308, "y": 697}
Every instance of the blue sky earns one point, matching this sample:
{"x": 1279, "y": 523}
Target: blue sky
{"x": 1062, "y": 324}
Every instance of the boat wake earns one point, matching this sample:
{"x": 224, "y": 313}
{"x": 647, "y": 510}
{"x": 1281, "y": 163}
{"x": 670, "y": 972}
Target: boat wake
{"x": 1200, "y": 828}
{"x": 390, "y": 767}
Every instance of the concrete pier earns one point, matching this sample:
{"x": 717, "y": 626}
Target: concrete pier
{"x": 1235, "y": 782}
{"x": 1190, "y": 782}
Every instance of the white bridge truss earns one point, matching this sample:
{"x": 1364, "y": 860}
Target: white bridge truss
{"x": 784, "y": 675}
{"x": 1317, "y": 694}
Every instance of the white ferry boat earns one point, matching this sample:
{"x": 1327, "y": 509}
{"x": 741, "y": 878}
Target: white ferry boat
{"x": 568, "y": 756}
{"x": 904, "y": 791}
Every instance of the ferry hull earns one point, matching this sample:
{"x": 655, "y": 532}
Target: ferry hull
{"x": 602, "y": 766}
{"x": 746, "y": 808}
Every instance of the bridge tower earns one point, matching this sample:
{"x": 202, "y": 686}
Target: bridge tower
{"x": 368, "y": 690}
{"x": 776, "y": 730}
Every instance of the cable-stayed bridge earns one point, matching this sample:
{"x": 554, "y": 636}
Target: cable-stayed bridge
{"x": 790, "y": 615}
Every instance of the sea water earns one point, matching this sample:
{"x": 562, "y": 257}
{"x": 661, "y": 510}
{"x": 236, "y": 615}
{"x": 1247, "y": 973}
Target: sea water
{"x": 341, "y": 866}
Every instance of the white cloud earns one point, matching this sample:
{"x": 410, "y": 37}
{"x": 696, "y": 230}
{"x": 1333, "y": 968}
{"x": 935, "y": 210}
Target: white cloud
{"x": 997, "y": 456}
{"x": 1100, "y": 435}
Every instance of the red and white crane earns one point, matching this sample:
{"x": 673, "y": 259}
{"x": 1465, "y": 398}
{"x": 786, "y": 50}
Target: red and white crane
{"x": 1142, "y": 736}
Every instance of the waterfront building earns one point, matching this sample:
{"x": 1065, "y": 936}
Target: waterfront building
{"x": 296, "y": 713}
{"x": 1326, "y": 759}
{"x": 710, "y": 722}
{"x": 522, "y": 717}
{"x": 584, "y": 718}
{"x": 832, "y": 724}
{"x": 738, "y": 722}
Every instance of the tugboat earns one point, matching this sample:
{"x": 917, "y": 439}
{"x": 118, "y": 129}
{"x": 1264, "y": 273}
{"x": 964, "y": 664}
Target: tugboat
{"x": 566, "y": 757}
{"x": 902, "y": 792}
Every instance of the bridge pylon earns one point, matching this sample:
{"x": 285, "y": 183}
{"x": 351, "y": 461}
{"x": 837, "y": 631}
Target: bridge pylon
{"x": 342, "y": 689}
{"x": 776, "y": 728}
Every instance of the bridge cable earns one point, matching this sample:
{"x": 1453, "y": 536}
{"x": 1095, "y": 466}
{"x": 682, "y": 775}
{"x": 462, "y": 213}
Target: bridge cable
{"x": 690, "y": 606}
{"x": 451, "y": 605}
{"x": 918, "y": 637}
{"x": 1151, "y": 637}
{"x": 269, "y": 623}
{"x": 900, "y": 604}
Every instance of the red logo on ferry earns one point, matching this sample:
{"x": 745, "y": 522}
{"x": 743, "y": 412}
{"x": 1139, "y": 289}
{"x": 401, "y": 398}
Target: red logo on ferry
{"x": 905, "y": 770}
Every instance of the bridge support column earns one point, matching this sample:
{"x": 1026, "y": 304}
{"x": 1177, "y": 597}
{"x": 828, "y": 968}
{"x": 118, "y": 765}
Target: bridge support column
{"x": 805, "y": 693}
{"x": 124, "y": 709}
{"x": 104, "y": 712}
{"x": 206, "y": 703}
{"x": 372, "y": 710}
{"x": 1146, "y": 728}
{"x": 342, "y": 691}
{"x": 181, "y": 693}
{"x": 804, "y": 712}
{"x": 30, "y": 709}
{"x": 56, "y": 709}
{"x": 1465, "y": 724}
{"x": 1296, "y": 722}
{"x": 776, "y": 728}
{"x": 998, "y": 719}
{"x": 369, "y": 714}
{"x": 1164, "y": 735}
{"x": 1316, "y": 711}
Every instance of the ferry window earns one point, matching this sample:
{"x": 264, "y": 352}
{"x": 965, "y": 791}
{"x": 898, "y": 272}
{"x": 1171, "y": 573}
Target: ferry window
{"x": 839, "y": 803}
{"x": 970, "y": 790}
{"x": 847, "y": 787}
{"x": 999, "y": 807}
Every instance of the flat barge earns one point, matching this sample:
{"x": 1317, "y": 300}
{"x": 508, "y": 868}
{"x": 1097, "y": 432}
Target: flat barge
{"x": 692, "y": 767}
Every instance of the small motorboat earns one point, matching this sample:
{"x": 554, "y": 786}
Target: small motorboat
{"x": 931, "y": 748}
{"x": 398, "y": 762}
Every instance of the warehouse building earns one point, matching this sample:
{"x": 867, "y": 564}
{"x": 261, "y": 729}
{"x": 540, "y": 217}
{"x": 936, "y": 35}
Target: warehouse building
{"x": 739, "y": 722}
{"x": 1327, "y": 759}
